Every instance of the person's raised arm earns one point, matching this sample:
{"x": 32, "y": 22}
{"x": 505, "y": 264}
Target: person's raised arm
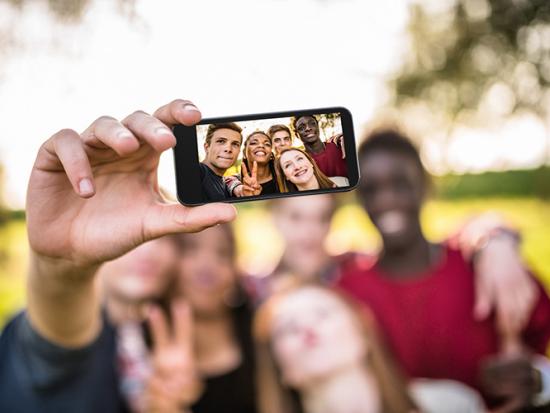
{"x": 91, "y": 198}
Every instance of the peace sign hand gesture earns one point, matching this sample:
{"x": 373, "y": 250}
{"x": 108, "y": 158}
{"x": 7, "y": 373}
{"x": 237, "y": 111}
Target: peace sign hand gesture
{"x": 251, "y": 187}
{"x": 174, "y": 383}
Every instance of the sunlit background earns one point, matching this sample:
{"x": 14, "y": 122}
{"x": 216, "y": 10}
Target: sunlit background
{"x": 468, "y": 79}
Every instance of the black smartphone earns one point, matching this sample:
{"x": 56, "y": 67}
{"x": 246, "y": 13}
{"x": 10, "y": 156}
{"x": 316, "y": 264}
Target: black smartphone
{"x": 268, "y": 155}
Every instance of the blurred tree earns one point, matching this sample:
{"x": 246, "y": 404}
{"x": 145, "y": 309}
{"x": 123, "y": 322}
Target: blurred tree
{"x": 73, "y": 10}
{"x": 469, "y": 51}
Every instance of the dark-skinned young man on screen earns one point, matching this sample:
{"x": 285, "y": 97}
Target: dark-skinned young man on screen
{"x": 329, "y": 156}
{"x": 91, "y": 198}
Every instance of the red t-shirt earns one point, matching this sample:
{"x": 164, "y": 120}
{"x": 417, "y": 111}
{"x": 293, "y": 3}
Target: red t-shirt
{"x": 428, "y": 321}
{"x": 330, "y": 161}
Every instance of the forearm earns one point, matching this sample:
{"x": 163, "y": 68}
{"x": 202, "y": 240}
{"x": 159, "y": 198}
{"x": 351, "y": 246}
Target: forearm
{"x": 63, "y": 304}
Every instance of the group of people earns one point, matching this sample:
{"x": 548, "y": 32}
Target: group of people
{"x": 137, "y": 304}
{"x": 270, "y": 164}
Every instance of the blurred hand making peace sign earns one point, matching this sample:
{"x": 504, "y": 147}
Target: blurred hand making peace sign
{"x": 174, "y": 383}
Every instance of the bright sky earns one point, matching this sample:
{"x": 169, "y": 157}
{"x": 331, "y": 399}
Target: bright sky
{"x": 229, "y": 57}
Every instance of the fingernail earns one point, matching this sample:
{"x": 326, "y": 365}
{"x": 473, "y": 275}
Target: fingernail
{"x": 124, "y": 135}
{"x": 190, "y": 106}
{"x": 85, "y": 187}
{"x": 163, "y": 130}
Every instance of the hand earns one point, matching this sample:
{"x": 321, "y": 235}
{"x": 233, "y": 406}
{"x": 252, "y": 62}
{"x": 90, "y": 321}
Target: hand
{"x": 250, "y": 186}
{"x": 502, "y": 283}
{"x": 174, "y": 383}
{"x": 92, "y": 197}
{"x": 511, "y": 379}
{"x": 338, "y": 139}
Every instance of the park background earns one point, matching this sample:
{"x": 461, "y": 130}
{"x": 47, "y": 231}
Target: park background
{"x": 467, "y": 79}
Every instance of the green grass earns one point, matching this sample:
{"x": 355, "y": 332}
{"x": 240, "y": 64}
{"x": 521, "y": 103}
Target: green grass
{"x": 350, "y": 230}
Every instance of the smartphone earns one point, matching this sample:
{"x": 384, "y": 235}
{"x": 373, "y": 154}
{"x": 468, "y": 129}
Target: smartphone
{"x": 268, "y": 155}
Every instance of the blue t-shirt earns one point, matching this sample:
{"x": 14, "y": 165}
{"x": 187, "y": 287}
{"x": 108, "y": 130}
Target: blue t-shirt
{"x": 39, "y": 376}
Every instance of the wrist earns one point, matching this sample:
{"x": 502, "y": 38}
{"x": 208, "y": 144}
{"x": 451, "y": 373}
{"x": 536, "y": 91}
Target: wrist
{"x": 60, "y": 268}
{"x": 497, "y": 239}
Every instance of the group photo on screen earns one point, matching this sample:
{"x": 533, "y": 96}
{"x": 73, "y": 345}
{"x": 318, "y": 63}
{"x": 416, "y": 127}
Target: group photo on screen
{"x": 271, "y": 156}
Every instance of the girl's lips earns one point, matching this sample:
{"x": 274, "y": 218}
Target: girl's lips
{"x": 300, "y": 173}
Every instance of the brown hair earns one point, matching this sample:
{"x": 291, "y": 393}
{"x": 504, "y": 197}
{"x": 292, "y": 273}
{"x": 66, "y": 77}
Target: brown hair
{"x": 278, "y": 128}
{"x": 217, "y": 126}
{"x": 275, "y": 397}
{"x": 286, "y": 186}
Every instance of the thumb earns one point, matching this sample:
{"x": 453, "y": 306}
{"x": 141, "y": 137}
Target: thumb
{"x": 173, "y": 218}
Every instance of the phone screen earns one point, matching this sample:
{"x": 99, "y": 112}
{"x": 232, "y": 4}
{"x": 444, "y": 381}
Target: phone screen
{"x": 249, "y": 157}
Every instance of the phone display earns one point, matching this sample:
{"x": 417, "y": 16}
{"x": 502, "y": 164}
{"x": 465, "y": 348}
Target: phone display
{"x": 261, "y": 156}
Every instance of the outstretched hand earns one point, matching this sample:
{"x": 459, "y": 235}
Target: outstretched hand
{"x": 91, "y": 198}
{"x": 94, "y": 196}
{"x": 251, "y": 187}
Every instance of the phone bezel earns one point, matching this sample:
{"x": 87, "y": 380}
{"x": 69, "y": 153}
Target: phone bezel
{"x": 186, "y": 158}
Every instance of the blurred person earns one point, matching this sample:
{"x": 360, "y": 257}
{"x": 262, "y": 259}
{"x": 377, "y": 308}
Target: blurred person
{"x": 318, "y": 353}
{"x": 258, "y": 175}
{"x": 129, "y": 285}
{"x": 222, "y": 318}
{"x": 281, "y": 137}
{"x": 423, "y": 294}
{"x": 132, "y": 281}
{"x": 330, "y": 155}
{"x": 299, "y": 172}
{"x": 222, "y": 146}
{"x": 92, "y": 197}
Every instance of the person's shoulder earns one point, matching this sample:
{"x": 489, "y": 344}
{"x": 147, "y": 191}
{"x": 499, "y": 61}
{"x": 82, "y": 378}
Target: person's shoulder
{"x": 203, "y": 168}
{"x": 9, "y": 331}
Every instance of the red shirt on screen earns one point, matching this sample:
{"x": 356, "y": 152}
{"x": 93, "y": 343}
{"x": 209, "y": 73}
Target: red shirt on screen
{"x": 428, "y": 321}
{"x": 330, "y": 161}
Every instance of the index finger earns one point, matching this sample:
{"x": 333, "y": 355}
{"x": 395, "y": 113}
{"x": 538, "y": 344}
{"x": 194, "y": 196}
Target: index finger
{"x": 244, "y": 171}
{"x": 178, "y": 111}
{"x": 254, "y": 169}
{"x": 160, "y": 330}
{"x": 183, "y": 323}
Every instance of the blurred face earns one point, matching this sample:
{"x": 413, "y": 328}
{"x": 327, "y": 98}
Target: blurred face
{"x": 304, "y": 222}
{"x": 281, "y": 140}
{"x": 297, "y": 168}
{"x": 206, "y": 271}
{"x": 308, "y": 129}
{"x": 391, "y": 190}
{"x": 258, "y": 148}
{"x": 143, "y": 273}
{"x": 223, "y": 150}
{"x": 314, "y": 334}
